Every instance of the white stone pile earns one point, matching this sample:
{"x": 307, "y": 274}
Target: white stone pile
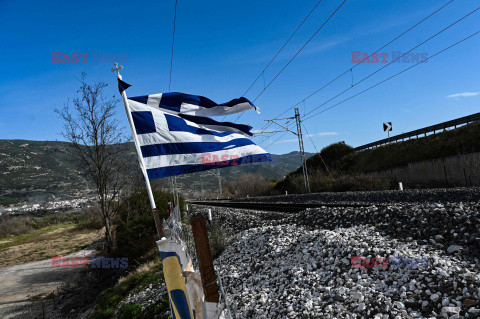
{"x": 289, "y": 271}
{"x": 284, "y": 265}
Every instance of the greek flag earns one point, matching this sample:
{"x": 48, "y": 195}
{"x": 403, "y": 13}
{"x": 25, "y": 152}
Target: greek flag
{"x": 194, "y": 104}
{"x": 176, "y": 137}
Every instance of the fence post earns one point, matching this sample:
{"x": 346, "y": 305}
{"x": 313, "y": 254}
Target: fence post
{"x": 205, "y": 260}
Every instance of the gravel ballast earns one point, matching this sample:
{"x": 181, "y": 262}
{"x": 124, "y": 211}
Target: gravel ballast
{"x": 281, "y": 265}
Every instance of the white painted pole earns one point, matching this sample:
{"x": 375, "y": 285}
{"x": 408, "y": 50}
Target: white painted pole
{"x": 135, "y": 141}
{"x": 158, "y": 222}
{"x": 209, "y": 214}
{"x": 400, "y": 186}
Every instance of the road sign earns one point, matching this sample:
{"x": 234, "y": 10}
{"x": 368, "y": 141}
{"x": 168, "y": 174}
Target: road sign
{"x": 387, "y": 127}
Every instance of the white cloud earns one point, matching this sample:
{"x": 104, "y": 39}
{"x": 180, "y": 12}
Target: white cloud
{"x": 309, "y": 135}
{"x": 463, "y": 94}
{"x": 326, "y": 134}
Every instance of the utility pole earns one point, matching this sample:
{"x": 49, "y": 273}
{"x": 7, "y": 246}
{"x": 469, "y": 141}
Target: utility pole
{"x": 298, "y": 133}
{"x": 219, "y": 183}
{"x": 302, "y": 150}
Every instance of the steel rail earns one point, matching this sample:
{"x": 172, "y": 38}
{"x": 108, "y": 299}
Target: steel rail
{"x": 274, "y": 206}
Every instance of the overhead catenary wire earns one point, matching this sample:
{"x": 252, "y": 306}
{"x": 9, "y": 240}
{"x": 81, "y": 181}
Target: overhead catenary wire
{"x": 393, "y": 61}
{"x": 296, "y": 54}
{"x": 364, "y": 59}
{"x": 300, "y": 50}
{"x": 281, "y": 49}
{"x": 318, "y": 152}
{"x": 173, "y": 45}
{"x": 387, "y": 79}
{"x": 393, "y": 76}
{"x": 373, "y": 73}
{"x": 277, "y": 139}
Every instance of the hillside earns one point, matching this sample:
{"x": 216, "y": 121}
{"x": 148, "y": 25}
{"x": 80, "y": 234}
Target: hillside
{"x": 38, "y": 171}
{"x": 463, "y": 140}
{"x": 347, "y": 166}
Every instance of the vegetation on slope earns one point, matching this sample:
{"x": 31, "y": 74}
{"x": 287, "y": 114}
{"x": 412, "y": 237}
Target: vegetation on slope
{"x": 41, "y": 171}
{"x": 345, "y": 166}
{"x": 32, "y": 237}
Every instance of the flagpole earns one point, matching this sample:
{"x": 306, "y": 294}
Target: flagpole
{"x": 158, "y": 222}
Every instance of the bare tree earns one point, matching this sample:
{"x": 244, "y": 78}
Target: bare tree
{"x": 97, "y": 142}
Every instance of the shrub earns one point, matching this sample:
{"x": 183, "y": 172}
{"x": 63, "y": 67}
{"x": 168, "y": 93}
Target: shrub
{"x": 130, "y": 311}
{"x": 14, "y": 225}
{"x": 105, "y": 314}
{"x": 293, "y": 183}
{"x": 248, "y": 184}
{"x": 360, "y": 183}
{"x": 91, "y": 219}
{"x": 217, "y": 239}
{"x": 135, "y": 231}
{"x": 320, "y": 182}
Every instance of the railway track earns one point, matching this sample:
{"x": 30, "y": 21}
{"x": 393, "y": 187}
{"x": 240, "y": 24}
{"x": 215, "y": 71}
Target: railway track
{"x": 279, "y": 207}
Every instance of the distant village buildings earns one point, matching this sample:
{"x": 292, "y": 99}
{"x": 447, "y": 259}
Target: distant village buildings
{"x": 57, "y": 204}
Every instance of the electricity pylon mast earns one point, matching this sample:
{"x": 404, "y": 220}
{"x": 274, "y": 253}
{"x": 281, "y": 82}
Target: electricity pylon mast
{"x": 299, "y": 134}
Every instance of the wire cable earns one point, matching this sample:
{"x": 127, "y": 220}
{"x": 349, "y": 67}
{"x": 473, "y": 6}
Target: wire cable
{"x": 283, "y": 46}
{"x": 393, "y": 76}
{"x": 298, "y": 52}
{"x": 393, "y": 61}
{"x": 349, "y": 70}
{"x": 426, "y": 59}
{"x": 277, "y": 139}
{"x": 295, "y": 55}
{"x": 319, "y": 154}
{"x": 173, "y": 44}
{"x": 383, "y": 47}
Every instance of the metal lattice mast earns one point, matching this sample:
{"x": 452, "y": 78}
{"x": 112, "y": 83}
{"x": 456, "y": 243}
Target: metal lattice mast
{"x": 302, "y": 150}
{"x": 298, "y": 133}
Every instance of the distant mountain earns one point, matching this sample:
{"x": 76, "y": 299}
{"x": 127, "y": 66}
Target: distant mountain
{"x": 38, "y": 171}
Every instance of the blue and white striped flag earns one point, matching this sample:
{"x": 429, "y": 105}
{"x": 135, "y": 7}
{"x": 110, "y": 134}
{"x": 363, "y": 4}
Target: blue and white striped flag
{"x": 176, "y": 137}
{"x": 195, "y": 104}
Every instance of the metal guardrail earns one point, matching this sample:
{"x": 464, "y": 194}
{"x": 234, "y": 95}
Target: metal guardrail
{"x": 423, "y": 131}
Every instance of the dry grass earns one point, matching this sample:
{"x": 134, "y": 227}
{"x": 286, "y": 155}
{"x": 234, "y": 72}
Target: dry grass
{"x": 144, "y": 268}
{"x": 46, "y": 243}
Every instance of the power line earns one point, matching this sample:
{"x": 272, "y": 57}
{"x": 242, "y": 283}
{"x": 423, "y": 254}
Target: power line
{"x": 173, "y": 44}
{"x": 393, "y": 61}
{"x": 393, "y": 76}
{"x": 283, "y": 46}
{"x": 277, "y": 139}
{"x": 426, "y": 59}
{"x": 319, "y": 153}
{"x": 298, "y": 52}
{"x": 353, "y": 85}
{"x": 351, "y": 69}
{"x": 311, "y": 140}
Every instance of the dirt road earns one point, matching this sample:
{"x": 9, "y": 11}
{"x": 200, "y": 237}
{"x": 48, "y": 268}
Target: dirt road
{"x": 19, "y": 283}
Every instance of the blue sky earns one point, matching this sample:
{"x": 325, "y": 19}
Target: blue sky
{"x": 221, "y": 47}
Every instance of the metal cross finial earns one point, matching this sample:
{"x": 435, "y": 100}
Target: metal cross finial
{"x": 117, "y": 68}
